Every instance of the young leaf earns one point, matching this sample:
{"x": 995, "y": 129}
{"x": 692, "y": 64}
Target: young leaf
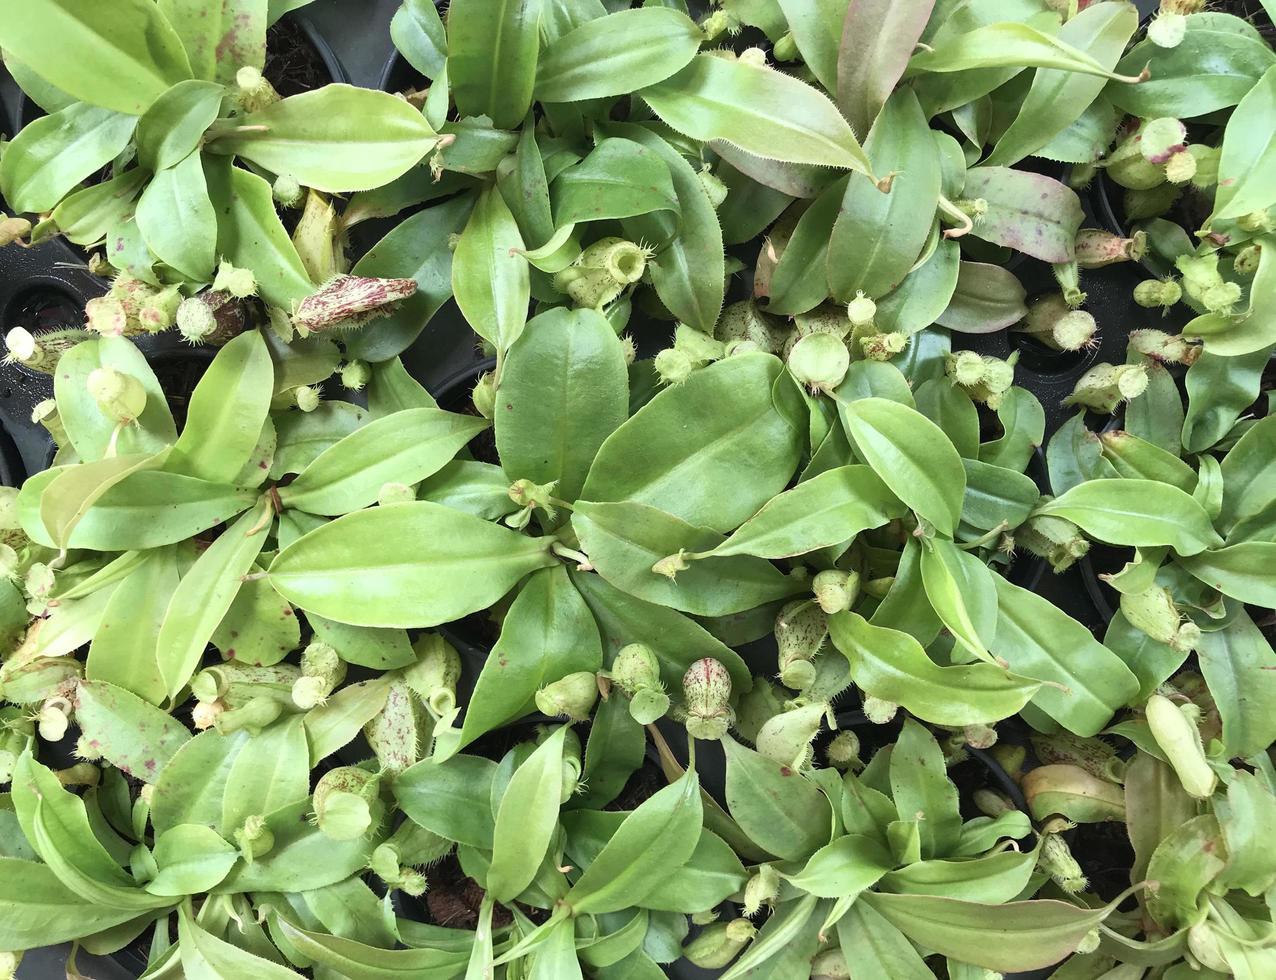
{"x": 123, "y": 652}
{"x": 433, "y": 565}
{"x": 205, "y": 957}
{"x": 1240, "y": 670}
{"x": 490, "y": 281}
{"x": 844, "y": 868}
{"x": 335, "y": 138}
{"x": 419, "y": 35}
{"x": 491, "y": 57}
{"x": 818, "y": 513}
{"x": 203, "y": 596}
{"x": 526, "y": 819}
{"x": 758, "y": 109}
{"x": 250, "y": 234}
{"x": 1247, "y": 168}
{"x": 650, "y": 845}
{"x": 892, "y": 665}
{"x": 616, "y": 54}
{"x": 962, "y": 592}
{"x": 1031, "y": 935}
{"x": 1141, "y": 513}
{"x": 564, "y": 390}
{"x": 189, "y": 247}
{"x": 676, "y": 640}
{"x": 548, "y": 633}
{"x": 912, "y": 456}
{"x": 226, "y": 412}
{"x": 405, "y": 447}
{"x": 452, "y": 799}
{"x": 192, "y": 859}
{"x": 625, "y": 540}
{"x": 619, "y": 179}
{"x": 1008, "y": 44}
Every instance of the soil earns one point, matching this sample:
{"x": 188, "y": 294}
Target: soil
{"x": 453, "y": 900}
{"x": 1105, "y": 854}
{"x": 646, "y": 781}
{"x": 178, "y": 375}
{"x": 293, "y": 64}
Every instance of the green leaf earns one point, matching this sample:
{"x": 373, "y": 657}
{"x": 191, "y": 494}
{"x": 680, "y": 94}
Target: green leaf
{"x": 962, "y": 591}
{"x": 614, "y": 752}
{"x": 220, "y": 38}
{"x": 1031, "y": 213}
{"x": 1142, "y": 513}
{"x": 205, "y": 957}
{"x": 192, "y": 859}
{"x": 271, "y": 771}
{"x": 203, "y": 596}
{"x": 452, "y": 798}
{"x": 799, "y": 281}
{"x": 923, "y": 295}
{"x": 912, "y": 456}
{"x": 758, "y": 109}
{"x": 1188, "y": 860}
{"x": 1010, "y": 937}
{"x": 878, "y": 237}
{"x": 416, "y": 248}
{"x": 405, "y": 447}
{"x": 260, "y": 626}
{"x": 491, "y": 57}
{"x": 1088, "y": 682}
{"x": 871, "y": 941}
{"x": 1240, "y": 670}
{"x": 676, "y": 640}
{"x": 844, "y": 868}
{"x": 564, "y": 390}
{"x": 86, "y": 216}
{"x": 433, "y": 565}
{"x": 136, "y": 737}
{"x": 418, "y": 33}
{"x": 72, "y": 494}
{"x": 147, "y": 509}
{"x": 336, "y": 722}
{"x": 36, "y": 909}
{"x": 652, "y": 843}
{"x": 1219, "y": 389}
{"x": 172, "y": 127}
{"x": 490, "y": 281}
{"x": 1008, "y": 44}
{"x": 715, "y": 474}
{"x": 922, "y": 791}
{"x": 877, "y": 39}
{"x": 1219, "y": 60}
{"x": 527, "y": 819}
{"x": 53, "y": 154}
{"x": 616, "y": 54}
{"x": 1058, "y": 98}
{"x": 991, "y": 878}
{"x": 335, "y": 138}
{"x": 892, "y": 665}
{"x": 187, "y": 247}
{"x": 1247, "y": 167}
{"x": 1248, "y": 807}
{"x": 779, "y": 809}
{"x": 123, "y": 652}
{"x": 1249, "y": 473}
{"x": 350, "y": 958}
{"x": 226, "y": 412}
{"x": 824, "y": 511}
{"x": 251, "y": 236}
{"x": 121, "y": 57}
{"x": 624, "y": 540}
{"x": 547, "y": 633}
{"x": 620, "y": 178}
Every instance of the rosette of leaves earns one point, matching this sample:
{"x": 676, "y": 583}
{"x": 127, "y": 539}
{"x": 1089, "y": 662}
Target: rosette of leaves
{"x": 169, "y": 96}
{"x": 879, "y": 870}
{"x": 1183, "y": 494}
{"x": 1195, "y": 171}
